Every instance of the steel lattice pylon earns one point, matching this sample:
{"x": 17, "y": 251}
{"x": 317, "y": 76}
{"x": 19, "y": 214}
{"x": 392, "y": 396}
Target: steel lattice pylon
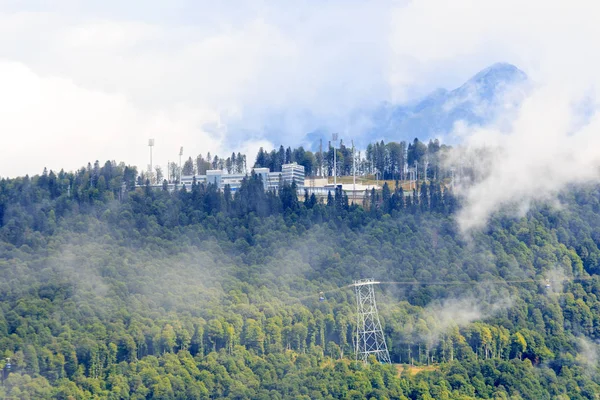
{"x": 369, "y": 335}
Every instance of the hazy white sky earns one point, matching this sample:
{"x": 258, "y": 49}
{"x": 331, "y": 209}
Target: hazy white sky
{"x": 87, "y": 80}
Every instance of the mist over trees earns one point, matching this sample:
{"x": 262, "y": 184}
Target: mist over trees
{"x": 112, "y": 290}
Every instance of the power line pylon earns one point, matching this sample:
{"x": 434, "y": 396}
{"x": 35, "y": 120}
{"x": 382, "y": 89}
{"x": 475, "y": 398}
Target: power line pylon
{"x": 369, "y": 335}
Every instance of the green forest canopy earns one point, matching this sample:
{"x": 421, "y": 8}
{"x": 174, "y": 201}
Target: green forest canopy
{"x": 146, "y": 294}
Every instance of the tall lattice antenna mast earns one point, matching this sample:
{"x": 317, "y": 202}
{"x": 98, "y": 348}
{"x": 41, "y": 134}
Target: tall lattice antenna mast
{"x": 321, "y": 161}
{"x": 369, "y": 335}
{"x": 353, "y": 175}
{"x": 334, "y": 138}
{"x": 180, "y": 170}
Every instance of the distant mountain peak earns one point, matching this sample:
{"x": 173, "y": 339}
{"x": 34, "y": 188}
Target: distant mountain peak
{"x": 500, "y": 71}
{"x": 488, "y": 95}
{"x": 480, "y": 100}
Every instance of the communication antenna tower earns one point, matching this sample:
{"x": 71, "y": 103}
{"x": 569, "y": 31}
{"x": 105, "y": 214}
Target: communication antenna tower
{"x": 369, "y": 335}
{"x": 180, "y": 170}
{"x": 321, "y": 153}
{"x": 405, "y": 169}
{"x": 334, "y": 138}
{"x": 353, "y": 174}
{"x": 151, "y": 145}
{"x": 416, "y": 172}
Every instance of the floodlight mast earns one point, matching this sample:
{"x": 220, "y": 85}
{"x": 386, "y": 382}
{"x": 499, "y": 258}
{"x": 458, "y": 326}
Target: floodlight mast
{"x": 369, "y": 335}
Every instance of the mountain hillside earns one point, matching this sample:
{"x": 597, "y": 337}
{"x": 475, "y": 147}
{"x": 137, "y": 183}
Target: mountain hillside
{"x": 125, "y": 292}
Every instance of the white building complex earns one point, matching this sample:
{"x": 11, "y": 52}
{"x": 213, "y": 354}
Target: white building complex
{"x": 271, "y": 180}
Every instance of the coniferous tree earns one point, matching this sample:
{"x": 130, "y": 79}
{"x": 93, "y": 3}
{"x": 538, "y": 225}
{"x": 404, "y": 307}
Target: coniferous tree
{"x": 330, "y": 201}
{"x": 188, "y": 167}
{"x": 415, "y": 200}
{"x": 386, "y": 193}
{"x": 424, "y": 197}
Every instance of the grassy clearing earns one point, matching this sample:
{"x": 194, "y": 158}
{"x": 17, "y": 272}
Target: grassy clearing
{"x": 415, "y": 369}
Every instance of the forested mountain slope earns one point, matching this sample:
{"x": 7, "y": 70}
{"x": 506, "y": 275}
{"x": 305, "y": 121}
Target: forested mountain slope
{"x": 144, "y": 294}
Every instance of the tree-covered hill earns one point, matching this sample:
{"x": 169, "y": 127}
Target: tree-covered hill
{"x": 133, "y": 293}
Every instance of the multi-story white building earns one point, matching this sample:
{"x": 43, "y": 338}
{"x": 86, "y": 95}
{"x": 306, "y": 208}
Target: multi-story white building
{"x": 293, "y": 173}
{"x": 271, "y": 180}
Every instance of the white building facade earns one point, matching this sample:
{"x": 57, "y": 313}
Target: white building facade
{"x": 271, "y": 180}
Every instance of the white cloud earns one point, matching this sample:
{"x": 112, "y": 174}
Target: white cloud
{"x": 50, "y": 121}
{"x": 543, "y": 151}
{"x": 172, "y": 80}
{"x": 547, "y": 145}
{"x": 113, "y": 74}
